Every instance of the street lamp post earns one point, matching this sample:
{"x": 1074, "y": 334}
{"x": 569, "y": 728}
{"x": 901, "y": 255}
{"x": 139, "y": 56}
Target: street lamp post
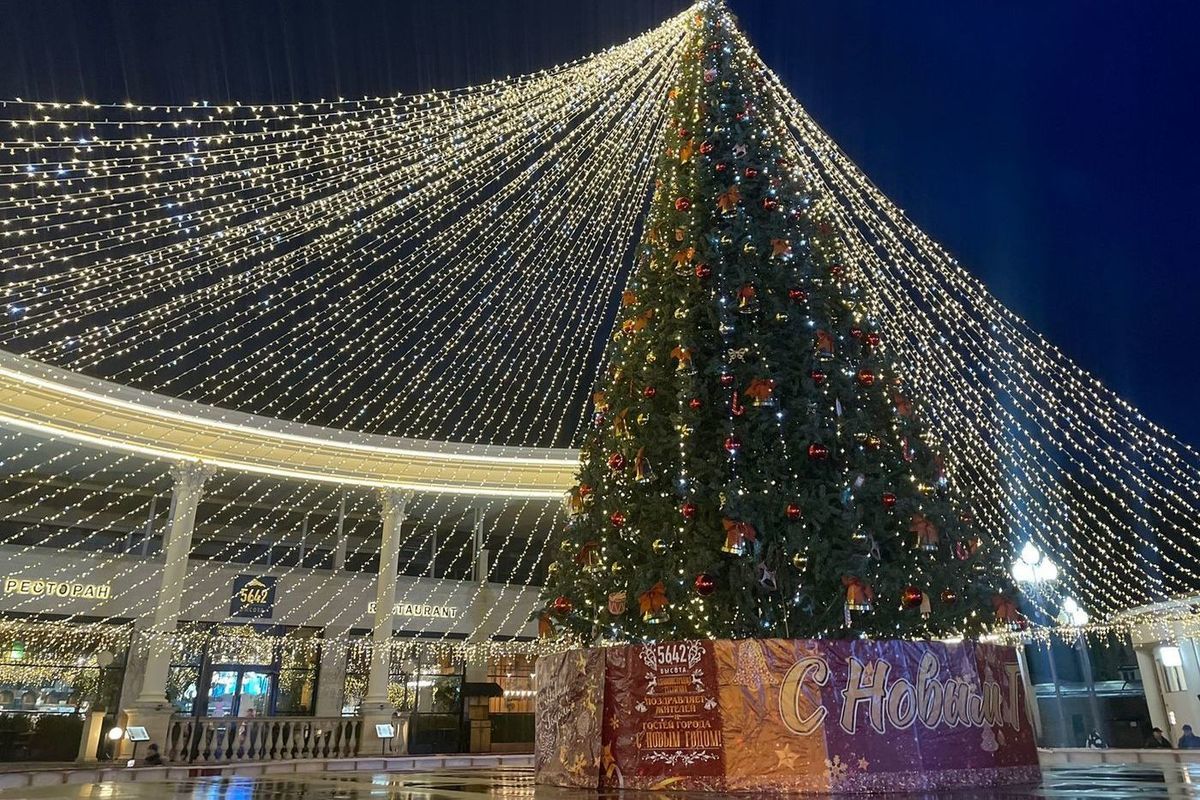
{"x": 1037, "y": 570}
{"x": 1072, "y": 615}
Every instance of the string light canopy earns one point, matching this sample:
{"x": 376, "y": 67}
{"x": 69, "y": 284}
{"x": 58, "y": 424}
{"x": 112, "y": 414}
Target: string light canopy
{"x": 447, "y": 267}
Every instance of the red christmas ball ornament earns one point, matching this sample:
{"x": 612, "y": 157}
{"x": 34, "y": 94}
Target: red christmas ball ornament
{"x": 793, "y": 512}
{"x": 584, "y": 490}
{"x": 705, "y": 584}
{"x": 750, "y": 172}
{"x": 617, "y": 519}
{"x": 649, "y": 392}
{"x": 720, "y": 166}
{"x": 770, "y": 203}
{"x": 695, "y": 404}
{"x": 873, "y": 339}
{"x": 911, "y": 597}
{"x": 616, "y": 462}
{"x": 561, "y": 605}
{"x": 818, "y": 377}
{"x": 856, "y": 332}
{"x": 836, "y": 270}
{"x": 706, "y": 147}
{"x": 732, "y": 445}
{"x": 684, "y": 133}
{"x": 866, "y": 377}
{"x": 726, "y": 379}
{"x": 682, "y": 204}
{"x": 703, "y": 271}
{"x": 797, "y": 295}
{"x": 949, "y": 597}
{"x": 818, "y": 451}
{"x": 889, "y": 500}
{"x": 688, "y": 510}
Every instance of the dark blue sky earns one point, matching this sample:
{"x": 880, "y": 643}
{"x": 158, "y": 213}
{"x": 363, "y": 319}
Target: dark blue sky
{"x": 1050, "y": 146}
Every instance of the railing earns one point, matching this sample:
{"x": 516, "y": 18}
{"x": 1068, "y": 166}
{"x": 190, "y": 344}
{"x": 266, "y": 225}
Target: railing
{"x": 221, "y": 740}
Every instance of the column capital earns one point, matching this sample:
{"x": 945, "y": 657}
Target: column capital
{"x": 394, "y": 499}
{"x": 191, "y": 474}
{"x": 481, "y": 509}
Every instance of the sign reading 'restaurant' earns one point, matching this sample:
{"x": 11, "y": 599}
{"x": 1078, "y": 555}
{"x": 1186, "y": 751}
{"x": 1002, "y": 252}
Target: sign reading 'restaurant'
{"x": 418, "y": 610}
{"x": 38, "y": 586}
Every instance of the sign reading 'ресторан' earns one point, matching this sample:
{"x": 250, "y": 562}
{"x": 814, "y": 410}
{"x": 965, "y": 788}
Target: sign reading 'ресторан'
{"x": 38, "y": 586}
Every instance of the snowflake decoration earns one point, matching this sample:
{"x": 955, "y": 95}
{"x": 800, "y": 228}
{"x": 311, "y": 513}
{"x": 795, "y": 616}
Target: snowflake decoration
{"x": 836, "y": 768}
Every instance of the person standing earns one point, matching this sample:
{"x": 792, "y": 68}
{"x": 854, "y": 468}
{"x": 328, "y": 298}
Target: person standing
{"x": 1157, "y": 741}
{"x": 1189, "y": 740}
{"x": 153, "y": 757}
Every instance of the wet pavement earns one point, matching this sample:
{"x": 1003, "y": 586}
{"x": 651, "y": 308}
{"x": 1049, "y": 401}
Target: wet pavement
{"x": 1101, "y": 782}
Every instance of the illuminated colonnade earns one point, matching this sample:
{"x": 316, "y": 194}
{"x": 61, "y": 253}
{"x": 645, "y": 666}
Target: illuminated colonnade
{"x": 194, "y": 441}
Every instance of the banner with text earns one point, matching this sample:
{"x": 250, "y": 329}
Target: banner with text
{"x": 800, "y": 716}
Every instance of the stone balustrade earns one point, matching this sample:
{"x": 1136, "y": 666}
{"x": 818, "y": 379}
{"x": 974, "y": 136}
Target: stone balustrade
{"x": 223, "y": 740}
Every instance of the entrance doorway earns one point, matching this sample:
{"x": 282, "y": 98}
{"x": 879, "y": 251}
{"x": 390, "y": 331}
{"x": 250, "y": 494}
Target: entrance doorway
{"x": 234, "y": 674}
{"x": 240, "y": 691}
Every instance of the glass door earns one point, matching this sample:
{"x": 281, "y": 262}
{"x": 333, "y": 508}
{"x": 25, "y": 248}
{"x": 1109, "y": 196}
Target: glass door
{"x": 254, "y": 695}
{"x": 222, "y": 693}
{"x": 239, "y": 692}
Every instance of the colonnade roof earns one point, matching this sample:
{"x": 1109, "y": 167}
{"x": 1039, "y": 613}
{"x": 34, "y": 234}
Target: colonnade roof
{"x": 66, "y": 405}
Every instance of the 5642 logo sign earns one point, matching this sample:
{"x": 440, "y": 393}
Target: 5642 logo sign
{"x": 253, "y": 596}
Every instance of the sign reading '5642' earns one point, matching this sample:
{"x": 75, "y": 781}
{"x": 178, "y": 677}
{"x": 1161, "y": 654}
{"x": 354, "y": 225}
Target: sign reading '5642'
{"x": 253, "y": 596}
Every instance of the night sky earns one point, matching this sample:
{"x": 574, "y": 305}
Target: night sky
{"x": 1050, "y": 146}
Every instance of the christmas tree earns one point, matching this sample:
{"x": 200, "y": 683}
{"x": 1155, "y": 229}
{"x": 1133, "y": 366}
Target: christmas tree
{"x": 756, "y": 467}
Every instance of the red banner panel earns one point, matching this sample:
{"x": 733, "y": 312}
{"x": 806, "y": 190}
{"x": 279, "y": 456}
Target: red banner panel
{"x": 781, "y": 715}
{"x": 662, "y": 718}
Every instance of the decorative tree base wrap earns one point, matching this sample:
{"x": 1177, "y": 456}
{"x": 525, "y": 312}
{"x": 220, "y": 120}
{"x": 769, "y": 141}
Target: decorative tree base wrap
{"x": 783, "y": 715}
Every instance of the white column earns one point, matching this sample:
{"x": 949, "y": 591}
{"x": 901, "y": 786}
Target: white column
{"x": 185, "y": 499}
{"x": 339, "y": 552}
{"x": 303, "y": 541}
{"x": 1148, "y": 668}
{"x": 376, "y": 700}
{"x": 481, "y": 615}
{"x": 481, "y": 552}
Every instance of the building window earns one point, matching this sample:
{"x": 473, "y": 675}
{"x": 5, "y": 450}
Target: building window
{"x": 1170, "y": 660}
{"x": 53, "y": 667}
{"x": 403, "y": 679}
{"x": 514, "y": 675}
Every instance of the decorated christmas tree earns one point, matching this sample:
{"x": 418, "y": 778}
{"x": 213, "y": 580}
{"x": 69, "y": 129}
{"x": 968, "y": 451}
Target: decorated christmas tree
{"x": 757, "y": 467}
